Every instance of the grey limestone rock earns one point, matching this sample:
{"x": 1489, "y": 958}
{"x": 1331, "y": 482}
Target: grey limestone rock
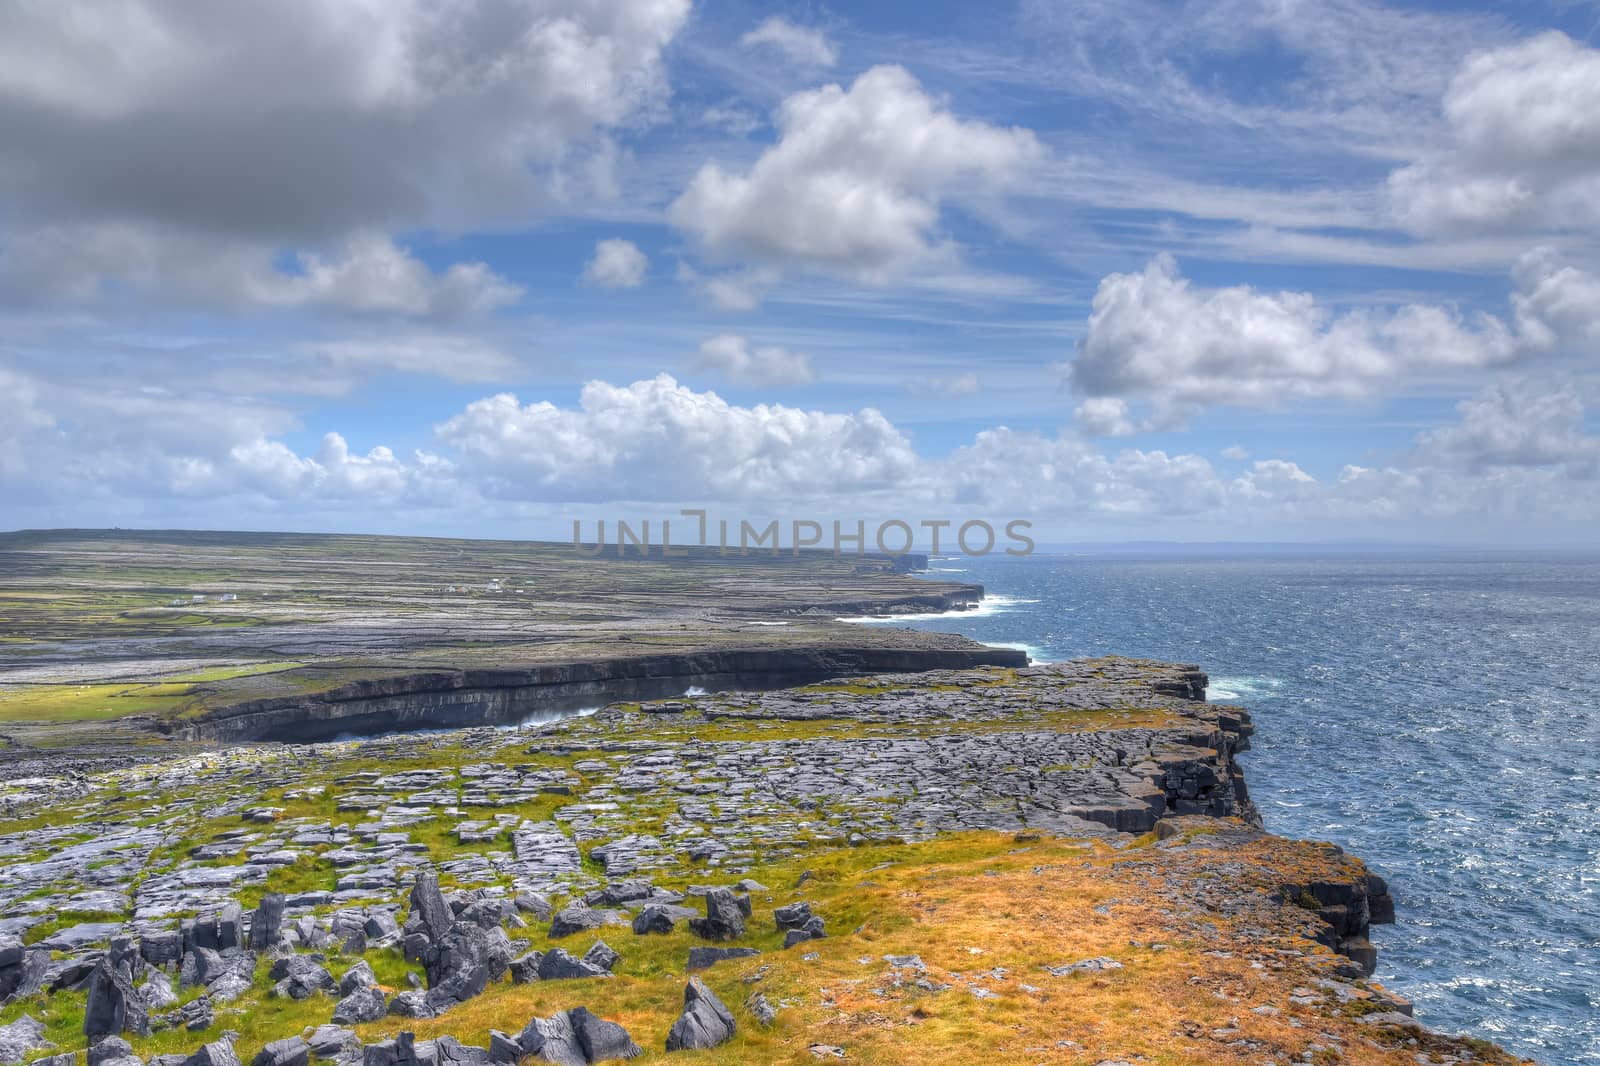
{"x": 704, "y": 1023}
{"x": 701, "y": 958}
{"x": 724, "y": 918}
{"x": 290, "y": 1051}
{"x": 266, "y": 923}
{"x": 364, "y": 1004}
{"x": 558, "y": 965}
{"x": 20, "y": 1038}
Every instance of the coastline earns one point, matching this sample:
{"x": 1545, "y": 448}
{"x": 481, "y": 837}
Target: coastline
{"x": 1102, "y": 797}
{"x": 855, "y": 796}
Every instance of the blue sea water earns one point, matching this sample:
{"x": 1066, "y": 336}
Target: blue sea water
{"x": 1437, "y": 715}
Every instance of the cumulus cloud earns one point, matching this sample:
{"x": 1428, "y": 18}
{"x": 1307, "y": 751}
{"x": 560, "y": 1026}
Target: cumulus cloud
{"x": 1557, "y": 304}
{"x": 1517, "y": 454}
{"x": 1154, "y": 336}
{"x": 1104, "y": 416}
{"x": 169, "y": 143}
{"x": 616, "y": 264}
{"x": 1516, "y": 423}
{"x": 856, "y": 180}
{"x": 731, "y": 356}
{"x": 272, "y": 469}
{"x": 304, "y": 117}
{"x": 799, "y": 44}
{"x": 1521, "y": 143}
{"x": 659, "y": 440}
{"x": 367, "y": 274}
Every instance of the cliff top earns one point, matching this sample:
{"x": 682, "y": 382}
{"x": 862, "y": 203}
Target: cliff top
{"x": 1047, "y": 864}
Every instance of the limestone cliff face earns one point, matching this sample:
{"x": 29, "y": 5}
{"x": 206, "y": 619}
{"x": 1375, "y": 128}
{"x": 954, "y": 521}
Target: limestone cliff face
{"x": 447, "y": 698}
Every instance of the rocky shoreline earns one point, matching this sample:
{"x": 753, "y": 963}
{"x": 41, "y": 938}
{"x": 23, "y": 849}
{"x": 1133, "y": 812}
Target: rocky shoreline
{"x": 813, "y": 873}
{"x": 454, "y": 699}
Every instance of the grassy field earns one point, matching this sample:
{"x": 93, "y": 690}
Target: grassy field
{"x": 98, "y": 625}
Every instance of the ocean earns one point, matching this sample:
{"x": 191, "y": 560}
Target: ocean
{"x": 1437, "y": 715}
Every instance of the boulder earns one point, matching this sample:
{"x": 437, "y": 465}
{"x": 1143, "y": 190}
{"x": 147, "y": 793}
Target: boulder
{"x": 21, "y": 1038}
{"x": 793, "y": 916}
{"x": 704, "y": 1023}
{"x": 161, "y": 948}
{"x": 814, "y": 929}
{"x": 300, "y": 977}
{"x": 290, "y": 1051}
{"x": 552, "y": 1040}
{"x": 220, "y": 930}
{"x": 266, "y": 924}
{"x": 525, "y": 968}
{"x": 401, "y": 1051}
{"x": 115, "y": 1005}
{"x": 431, "y": 915}
{"x": 602, "y": 955}
{"x": 579, "y": 917}
{"x": 534, "y": 904}
{"x": 558, "y": 965}
{"x": 27, "y": 976}
{"x": 448, "y": 1051}
{"x": 111, "y": 1049}
{"x": 724, "y": 918}
{"x": 382, "y": 930}
{"x": 358, "y": 976}
{"x": 365, "y": 1004}
{"x": 653, "y": 919}
{"x": 600, "y": 1040}
{"x": 216, "y": 1053}
{"x": 157, "y": 991}
{"x": 701, "y": 958}
{"x": 330, "y": 1041}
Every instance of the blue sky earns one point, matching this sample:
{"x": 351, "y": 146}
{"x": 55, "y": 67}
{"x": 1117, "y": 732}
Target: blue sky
{"x": 1250, "y": 269}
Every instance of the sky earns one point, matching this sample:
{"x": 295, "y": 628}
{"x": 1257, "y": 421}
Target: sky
{"x": 1260, "y": 270}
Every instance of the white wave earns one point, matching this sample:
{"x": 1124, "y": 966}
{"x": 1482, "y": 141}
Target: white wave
{"x": 1035, "y": 653}
{"x": 989, "y": 605}
{"x": 695, "y": 690}
{"x": 1242, "y": 688}
{"x": 769, "y": 623}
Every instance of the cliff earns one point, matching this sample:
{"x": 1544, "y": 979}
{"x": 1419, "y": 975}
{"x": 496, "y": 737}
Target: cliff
{"x": 1041, "y": 863}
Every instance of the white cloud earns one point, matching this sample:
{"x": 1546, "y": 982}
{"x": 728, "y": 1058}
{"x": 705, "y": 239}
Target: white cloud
{"x": 1518, "y": 459}
{"x": 1236, "y": 453}
{"x": 658, "y": 440}
{"x": 1516, "y": 423}
{"x": 1104, "y": 416}
{"x": 375, "y": 275}
{"x": 307, "y": 116}
{"x": 1522, "y": 143}
{"x": 229, "y": 132}
{"x": 856, "y": 180}
{"x": 731, "y": 356}
{"x": 456, "y": 358}
{"x": 965, "y": 384}
{"x": 616, "y": 264}
{"x": 1154, "y": 336}
{"x": 369, "y": 274}
{"x": 732, "y": 118}
{"x": 799, "y": 44}
{"x": 1556, "y": 303}
{"x": 737, "y": 290}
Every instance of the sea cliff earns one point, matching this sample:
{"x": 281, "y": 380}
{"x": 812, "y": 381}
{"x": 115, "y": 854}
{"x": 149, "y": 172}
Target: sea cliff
{"x": 1032, "y": 863}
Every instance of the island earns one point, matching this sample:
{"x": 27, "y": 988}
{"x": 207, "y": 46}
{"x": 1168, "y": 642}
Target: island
{"x": 282, "y": 799}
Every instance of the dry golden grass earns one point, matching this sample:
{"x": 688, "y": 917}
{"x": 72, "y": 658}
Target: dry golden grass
{"x": 967, "y": 904}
